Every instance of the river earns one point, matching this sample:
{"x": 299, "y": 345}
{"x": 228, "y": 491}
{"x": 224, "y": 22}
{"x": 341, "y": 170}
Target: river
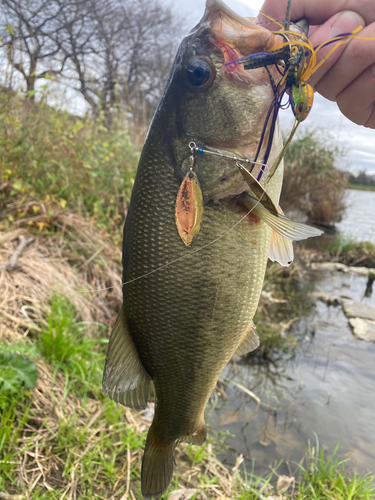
{"x": 358, "y": 220}
{"x": 325, "y": 391}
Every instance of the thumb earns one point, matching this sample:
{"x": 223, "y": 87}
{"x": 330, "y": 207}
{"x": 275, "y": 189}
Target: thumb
{"x": 343, "y": 22}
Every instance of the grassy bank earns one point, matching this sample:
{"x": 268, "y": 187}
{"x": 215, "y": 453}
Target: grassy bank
{"x": 51, "y": 160}
{"x": 59, "y": 436}
{"x": 343, "y": 249}
{"x": 280, "y": 308}
{"x": 313, "y": 185}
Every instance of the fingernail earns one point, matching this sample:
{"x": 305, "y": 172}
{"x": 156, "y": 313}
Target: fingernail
{"x": 345, "y": 22}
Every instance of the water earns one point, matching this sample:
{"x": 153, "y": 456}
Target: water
{"x": 326, "y": 390}
{"x": 358, "y": 220}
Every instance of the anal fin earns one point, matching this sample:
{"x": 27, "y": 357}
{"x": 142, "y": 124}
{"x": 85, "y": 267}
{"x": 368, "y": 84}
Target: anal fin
{"x": 125, "y": 380}
{"x": 250, "y": 341}
{"x": 198, "y": 437}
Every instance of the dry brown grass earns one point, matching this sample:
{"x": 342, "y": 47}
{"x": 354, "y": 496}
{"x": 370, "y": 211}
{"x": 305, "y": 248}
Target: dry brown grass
{"x": 40, "y": 467}
{"x": 69, "y": 257}
{"x": 72, "y": 259}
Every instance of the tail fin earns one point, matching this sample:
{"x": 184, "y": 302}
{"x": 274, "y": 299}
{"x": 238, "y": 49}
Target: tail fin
{"x": 157, "y": 465}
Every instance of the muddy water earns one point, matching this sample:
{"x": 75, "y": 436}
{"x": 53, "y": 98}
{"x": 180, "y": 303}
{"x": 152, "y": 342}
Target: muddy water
{"x": 327, "y": 388}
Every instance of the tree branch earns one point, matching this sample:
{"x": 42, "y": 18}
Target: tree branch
{"x": 13, "y": 261}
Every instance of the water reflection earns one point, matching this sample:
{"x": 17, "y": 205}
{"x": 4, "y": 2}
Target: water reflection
{"x": 327, "y": 388}
{"x": 357, "y": 221}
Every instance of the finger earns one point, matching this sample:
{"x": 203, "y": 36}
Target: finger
{"x": 318, "y": 11}
{"x": 357, "y": 100}
{"x": 343, "y": 22}
{"x": 357, "y": 57}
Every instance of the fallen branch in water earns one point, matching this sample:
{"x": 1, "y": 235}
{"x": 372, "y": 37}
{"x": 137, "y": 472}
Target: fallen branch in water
{"x": 286, "y": 326}
{"x": 13, "y": 261}
{"x": 250, "y": 393}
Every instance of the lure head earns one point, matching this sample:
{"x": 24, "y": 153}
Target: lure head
{"x": 301, "y": 99}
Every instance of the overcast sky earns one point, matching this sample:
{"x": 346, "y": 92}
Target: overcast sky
{"x": 358, "y": 141}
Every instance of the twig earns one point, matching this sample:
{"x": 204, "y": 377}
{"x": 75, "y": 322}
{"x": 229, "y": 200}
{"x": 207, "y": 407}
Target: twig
{"x": 93, "y": 256}
{"x": 286, "y": 326}
{"x": 132, "y": 495}
{"x": 126, "y": 494}
{"x": 250, "y": 393}
{"x": 13, "y": 261}
{"x": 5, "y": 496}
{"x": 19, "y": 322}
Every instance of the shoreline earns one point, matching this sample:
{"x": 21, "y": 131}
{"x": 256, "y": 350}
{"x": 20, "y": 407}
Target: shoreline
{"x": 360, "y": 187}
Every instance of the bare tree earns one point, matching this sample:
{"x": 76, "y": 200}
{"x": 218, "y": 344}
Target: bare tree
{"x": 77, "y": 38}
{"x": 121, "y": 54}
{"x": 25, "y": 29}
{"x": 151, "y": 42}
{"x": 115, "y": 53}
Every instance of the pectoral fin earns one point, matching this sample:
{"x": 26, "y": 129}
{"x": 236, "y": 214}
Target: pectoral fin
{"x": 250, "y": 341}
{"x": 282, "y": 225}
{"x": 125, "y": 380}
{"x": 281, "y": 249}
{"x": 258, "y": 190}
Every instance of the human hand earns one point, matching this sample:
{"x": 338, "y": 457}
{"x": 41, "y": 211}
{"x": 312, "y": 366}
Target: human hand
{"x": 348, "y": 75}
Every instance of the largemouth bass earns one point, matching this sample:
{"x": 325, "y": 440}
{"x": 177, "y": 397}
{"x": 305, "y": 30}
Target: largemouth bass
{"x": 188, "y": 305}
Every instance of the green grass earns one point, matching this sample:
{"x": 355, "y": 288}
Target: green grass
{"x": 360, "y": 187}
{"x": 343, "y": 243}
{"x": 90, "y": 446}
{"x": 95, "y": 448}
{"x": 68, "y": 345}
{"x": 17, "y": 374}
{"x": 324, "y": 478}
{"x": 351, "y": 252}
{"x": 13, "y": 419}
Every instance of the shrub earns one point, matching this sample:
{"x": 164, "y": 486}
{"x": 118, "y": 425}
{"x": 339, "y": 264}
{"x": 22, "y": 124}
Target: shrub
{"x": 57, "y": 158}
{"x": 313, "y": 184}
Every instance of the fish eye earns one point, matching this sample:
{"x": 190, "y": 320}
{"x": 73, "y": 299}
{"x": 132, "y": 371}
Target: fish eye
{"x": 198, "y": 72}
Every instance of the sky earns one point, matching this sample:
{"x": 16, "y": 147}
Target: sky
{"x": 358, "y": 141}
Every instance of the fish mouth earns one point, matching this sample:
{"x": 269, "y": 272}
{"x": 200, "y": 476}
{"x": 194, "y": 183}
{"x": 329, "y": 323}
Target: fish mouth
{"x": 237, "y": 36}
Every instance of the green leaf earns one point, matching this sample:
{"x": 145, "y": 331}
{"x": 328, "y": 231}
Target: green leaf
{"x": 16, "y": 372}
{"x": 17, "y": 185}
